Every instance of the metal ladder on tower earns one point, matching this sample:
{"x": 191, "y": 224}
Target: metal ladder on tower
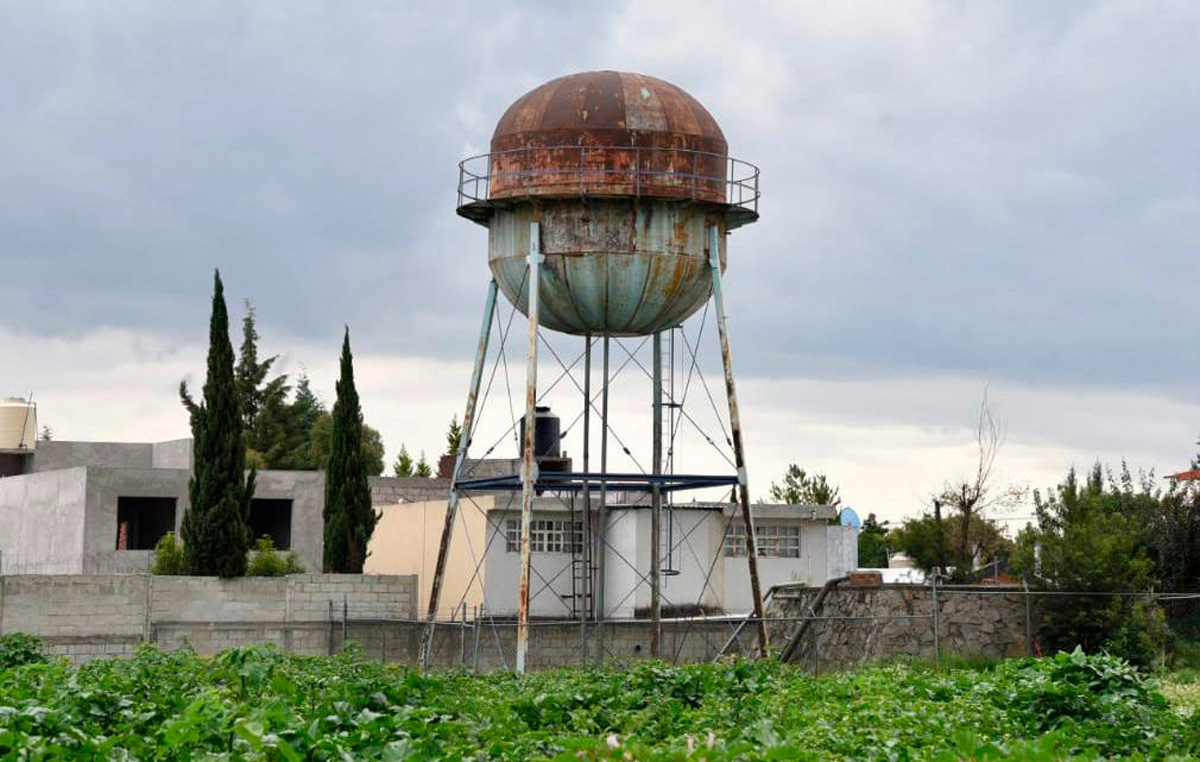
{"x": 580, "y": 598}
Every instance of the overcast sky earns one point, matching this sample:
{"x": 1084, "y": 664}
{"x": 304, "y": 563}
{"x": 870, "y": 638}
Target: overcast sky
{"x": 955, "y": 194}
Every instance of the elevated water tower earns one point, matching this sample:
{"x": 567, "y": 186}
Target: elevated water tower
{"x": 608, "y": 198}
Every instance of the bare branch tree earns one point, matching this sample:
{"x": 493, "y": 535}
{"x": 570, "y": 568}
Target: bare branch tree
{"x": 976, "y": 493}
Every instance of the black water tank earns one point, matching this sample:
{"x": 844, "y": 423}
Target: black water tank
{"x": 545, "y": 434}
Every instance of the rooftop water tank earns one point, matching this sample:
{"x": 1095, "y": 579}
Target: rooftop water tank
{"x": 18, "y": 424}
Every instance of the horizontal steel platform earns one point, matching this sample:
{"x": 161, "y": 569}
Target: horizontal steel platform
{"x": 573, "y": 481}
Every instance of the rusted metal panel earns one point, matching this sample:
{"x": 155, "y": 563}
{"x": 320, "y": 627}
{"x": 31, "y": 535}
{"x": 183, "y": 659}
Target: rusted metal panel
{"x": 622, "y": 267}
{"x": 608, "y": 133}
{"x": 546, "y": 167}
{"x": 598, "y": 102}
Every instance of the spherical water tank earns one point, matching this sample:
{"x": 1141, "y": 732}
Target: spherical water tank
{"x": 626, "y": 175}
{"x": 18, "y": 424}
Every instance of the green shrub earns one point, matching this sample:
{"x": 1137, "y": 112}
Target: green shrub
{"x": 17, "y": 648}
{"x": 265, "y": 561}
{"x": 168, "y": 556}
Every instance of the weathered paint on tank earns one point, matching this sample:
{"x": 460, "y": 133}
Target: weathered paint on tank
{"x": 623, "y": 267}
{"x": 608, "y": 133}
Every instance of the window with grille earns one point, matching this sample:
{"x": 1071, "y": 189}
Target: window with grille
{"x": 774, "y": 540}
{"x": 545, "y": 536}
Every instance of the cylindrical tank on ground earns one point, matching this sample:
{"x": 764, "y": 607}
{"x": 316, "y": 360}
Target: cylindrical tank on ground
{"x": 626, "y": 174}
{"x": 18, "y": 424}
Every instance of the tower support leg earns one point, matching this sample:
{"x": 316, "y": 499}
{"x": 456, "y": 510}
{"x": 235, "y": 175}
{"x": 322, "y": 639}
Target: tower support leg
{"x": 735, "y": 426}
{"x": 528, "y": 463}
{"x": 468, "y": 422}
{"x": 602, "y": 513}
{"x": 656, "y": 507}
{"x": 585, "y": 577}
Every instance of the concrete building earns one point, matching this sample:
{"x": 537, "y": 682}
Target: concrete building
{"x": 704, "y": 552}
{"x": 94, "y": 507}
{"x": 90, "y": 507}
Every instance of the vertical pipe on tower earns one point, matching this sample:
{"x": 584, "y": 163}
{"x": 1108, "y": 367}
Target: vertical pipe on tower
{"x": 528, "y": 464}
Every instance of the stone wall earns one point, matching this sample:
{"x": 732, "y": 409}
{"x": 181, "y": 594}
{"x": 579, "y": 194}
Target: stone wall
{"x": 877, "y": 623}
{"x": 85, "y": 616}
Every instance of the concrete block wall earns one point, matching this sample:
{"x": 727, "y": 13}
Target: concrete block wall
{"x": 85, "y": 616}
{"x": 368, "y": 596}
{"x": 206, "y": 599}
{"x": 558, "y": 645}
{"x": 74, "y": 605}
{"x": 94, "y": 616}
{"x": 388, "y": 490}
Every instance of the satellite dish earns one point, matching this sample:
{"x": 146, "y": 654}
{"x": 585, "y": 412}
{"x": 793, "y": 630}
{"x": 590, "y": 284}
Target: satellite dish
{"x": 849, "y": 518}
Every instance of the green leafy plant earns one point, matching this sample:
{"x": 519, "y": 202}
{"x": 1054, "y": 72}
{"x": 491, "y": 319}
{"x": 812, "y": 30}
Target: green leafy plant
{"x": 265, "y": 561}
{"x": 18, "y": 648}
{"x": 258, "y": 703}
{"x": 169, "y": 558}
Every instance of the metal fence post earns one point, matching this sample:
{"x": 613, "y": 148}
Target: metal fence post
{"x": 462, "y": 636}
{"x": 345, "y": 616}
{"x": 937, "y": 650}
{"x": 1028, "y": 619}
{"x": 475, "y": 651}
{"x": 816, "y": 649}
{"x": 331, "y": 621}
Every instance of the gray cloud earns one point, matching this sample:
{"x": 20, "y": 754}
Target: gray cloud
{"x": 998, "y": 191}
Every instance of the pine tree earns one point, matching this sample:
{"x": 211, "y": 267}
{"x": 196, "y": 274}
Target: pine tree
{"x": 404, "y": 462}
{"x": 453, "y": 437}
{"x": 423, "y": 469}
{"x": 215, "y": 532}
{"x": 250, "y": 374}
{"x": 349, "y": 517}
{"x": 261, "y": 401}
{"x": 293, "y": 424}
{"x": 320, "y": 445}
{"x": 801, "y": 488}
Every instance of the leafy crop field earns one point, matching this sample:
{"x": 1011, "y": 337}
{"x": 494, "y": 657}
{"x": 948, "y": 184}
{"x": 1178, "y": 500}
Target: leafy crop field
{"x": 258, "y": 704}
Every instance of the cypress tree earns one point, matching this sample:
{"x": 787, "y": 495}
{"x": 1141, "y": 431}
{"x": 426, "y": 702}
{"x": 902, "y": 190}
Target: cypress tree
{"x": 349, "y": 517}
{"x": 215, "y": 529}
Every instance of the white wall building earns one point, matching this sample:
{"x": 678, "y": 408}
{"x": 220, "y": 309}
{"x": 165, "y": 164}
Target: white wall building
{"x": 703, "y": 555}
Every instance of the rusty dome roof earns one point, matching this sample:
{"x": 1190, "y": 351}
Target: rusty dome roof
{"x": 608, "y": 108}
